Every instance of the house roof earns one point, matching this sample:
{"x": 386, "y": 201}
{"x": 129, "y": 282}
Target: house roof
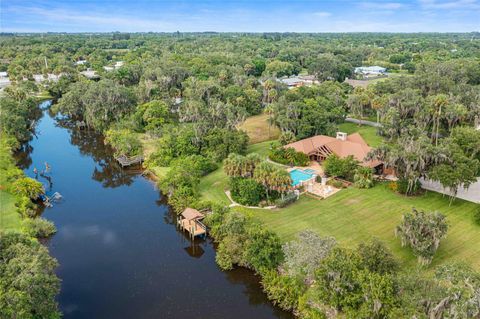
{"x": 354, "y": 145}
{"x": 191, "y": 213}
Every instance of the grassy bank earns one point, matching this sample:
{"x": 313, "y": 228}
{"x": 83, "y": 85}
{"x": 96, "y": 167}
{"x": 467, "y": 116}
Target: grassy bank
{"x": 9, "y": 217}
{"x": 354, "y": 215}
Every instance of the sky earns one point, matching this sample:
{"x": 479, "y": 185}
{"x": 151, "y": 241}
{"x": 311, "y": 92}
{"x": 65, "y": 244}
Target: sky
{"x": 239, "y": 16}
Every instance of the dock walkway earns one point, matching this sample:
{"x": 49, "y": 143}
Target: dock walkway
{"x": 190, "y": 221}
{"x": 127, "y": 161}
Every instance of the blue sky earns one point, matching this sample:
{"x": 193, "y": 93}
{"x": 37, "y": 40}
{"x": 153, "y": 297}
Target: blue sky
{"x": 246, "y": 15}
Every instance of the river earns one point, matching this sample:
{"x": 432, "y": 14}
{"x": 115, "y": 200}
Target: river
{"x": 119, "y": 253}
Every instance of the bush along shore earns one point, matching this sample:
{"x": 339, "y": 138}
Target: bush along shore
{"x": 29, "y": 284}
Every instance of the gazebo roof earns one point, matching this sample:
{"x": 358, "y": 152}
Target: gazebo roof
{"x": 191, "y": 213}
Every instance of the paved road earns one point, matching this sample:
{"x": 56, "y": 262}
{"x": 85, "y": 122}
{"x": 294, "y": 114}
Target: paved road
{"x": 363, "y": 122}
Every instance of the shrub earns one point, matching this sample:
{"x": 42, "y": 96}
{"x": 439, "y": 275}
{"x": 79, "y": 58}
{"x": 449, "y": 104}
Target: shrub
{"x": 304, "y": 254}
{"x": 39, "y": 227}
{"x": 26, "y": 208}
{"x": 404, "y": 187}
{"x": 286, "y": 200}
{"x": 344, "y": 283}
{"x": 230, "y": 252}
{"x": 27, "y": 187}
{"x": 263, "y": 249}
{"x": 376, "y": 257}
{"x": 340, "y": 167}
{"x": 288, "y": 156}
{"x": 283, "y": 291}
{"x": 246, "y": 191}
{"x": 422, "y": 232}
{"x": 363, "y": 177}
{"x": 476, "y": 216}
{"x": 28, "y": 284}
{"x": 124, "y": 141}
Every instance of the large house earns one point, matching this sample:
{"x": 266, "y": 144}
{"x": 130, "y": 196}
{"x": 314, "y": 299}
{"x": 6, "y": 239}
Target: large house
{"x": 298, "y": 80}
{"x": 370, "y": 70}
{"x": 319, "y": 147}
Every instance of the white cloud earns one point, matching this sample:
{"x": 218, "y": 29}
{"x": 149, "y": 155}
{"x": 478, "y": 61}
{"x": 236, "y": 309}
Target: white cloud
{"x": 73, "y": 18}
{"x": 460, "y": 4}
{"x": 322, "y": 14}
{"x": 382, "y": 5}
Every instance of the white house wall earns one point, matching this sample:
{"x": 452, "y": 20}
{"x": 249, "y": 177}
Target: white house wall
{"x": 471, "y": 194}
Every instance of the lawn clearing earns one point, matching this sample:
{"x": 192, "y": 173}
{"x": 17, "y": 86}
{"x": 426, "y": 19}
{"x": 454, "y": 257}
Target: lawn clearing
{"x": 369, "y": 133}
{"x": 9, "y": 217}
{"x": 212, "y": 187}
{"x": 355, "y": 215}
{"x": 258, "y": 129}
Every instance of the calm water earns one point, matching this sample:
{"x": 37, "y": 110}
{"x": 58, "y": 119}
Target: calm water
{"x": 120, "y": 254}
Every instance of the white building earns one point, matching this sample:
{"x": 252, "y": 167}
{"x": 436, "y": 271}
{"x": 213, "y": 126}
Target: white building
{"x": 298, "y": 80}
{"x": 370, "y": 70}
{"x": 90, "y": 74}
{"x": 116, "y": 66}
{"x": 4, "y": 80}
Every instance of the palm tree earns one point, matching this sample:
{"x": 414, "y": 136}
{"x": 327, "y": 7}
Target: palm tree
{"x": 263, "y": 175}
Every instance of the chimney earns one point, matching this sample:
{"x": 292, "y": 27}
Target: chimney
{"x": 341, "y": 136}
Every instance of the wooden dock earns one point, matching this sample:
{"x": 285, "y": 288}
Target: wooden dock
{"x": 190, "y": 221}
{"x": 128, "y": 161}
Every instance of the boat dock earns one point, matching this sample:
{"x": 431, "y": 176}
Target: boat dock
{"x": 128, "y": 161}
{"x": 190, "y": 220}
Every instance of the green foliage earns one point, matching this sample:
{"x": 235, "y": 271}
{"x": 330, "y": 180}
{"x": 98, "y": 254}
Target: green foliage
{"x": 305, "y": 254}
{"x": 16, "y": 117}
{"x": 288, "y": 156}
{"x": 376, "y": 257}
{"x": 346, "y": 284}
{"x": 153, "y": 115}
{"x": 284, "y": 291}
{"x": 363, "y": 177}
{"x": 309, "y": 111}
{"x": 29, "y": 284}
{"x": 340, "y": 167}
{"x": 403, "y": 186}
{"x": 181, "y": 182}
{"x": 246, "y": 191}
{"x": 463, "y": 165}
{"x": 422, "y": 232}
{"x": 125, "y": 142}
{"x": 27, "y": 187}
{"x": 286, "y": 200}
{"x": 279, "y": 68}
{"x": 241, "y": 166}
{"x": 263, "y": 249}
{"x": 98, "y": 103}
{"x": 39, "y": 227}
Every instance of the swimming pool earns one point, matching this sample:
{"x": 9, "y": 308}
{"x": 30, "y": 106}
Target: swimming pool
{"x": 299, "y": 176}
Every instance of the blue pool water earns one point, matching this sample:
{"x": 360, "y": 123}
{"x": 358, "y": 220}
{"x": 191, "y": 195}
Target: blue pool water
{"x": 299, "y": 176}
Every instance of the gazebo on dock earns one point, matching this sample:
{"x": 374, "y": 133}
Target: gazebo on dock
{"x": 190, "y": 220}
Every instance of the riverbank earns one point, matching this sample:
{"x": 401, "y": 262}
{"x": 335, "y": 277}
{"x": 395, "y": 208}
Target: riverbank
{"x": 119, "y": 250}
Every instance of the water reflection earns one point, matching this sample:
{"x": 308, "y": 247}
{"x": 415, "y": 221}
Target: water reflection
{"x": 90, "y": 143}
{"x": 119, "y": 251}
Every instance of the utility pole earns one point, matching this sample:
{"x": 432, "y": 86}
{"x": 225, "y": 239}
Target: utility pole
{"x": 46, "y": 64}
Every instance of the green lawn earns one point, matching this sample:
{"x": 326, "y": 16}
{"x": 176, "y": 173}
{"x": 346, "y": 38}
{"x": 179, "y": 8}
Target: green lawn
{"x": 212, "y": 187}
{"x": 354, "y": 215}
{"x": 258, "y": 129}
{"x": 9, "y": 218}
{"x": 369, "y": 133}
